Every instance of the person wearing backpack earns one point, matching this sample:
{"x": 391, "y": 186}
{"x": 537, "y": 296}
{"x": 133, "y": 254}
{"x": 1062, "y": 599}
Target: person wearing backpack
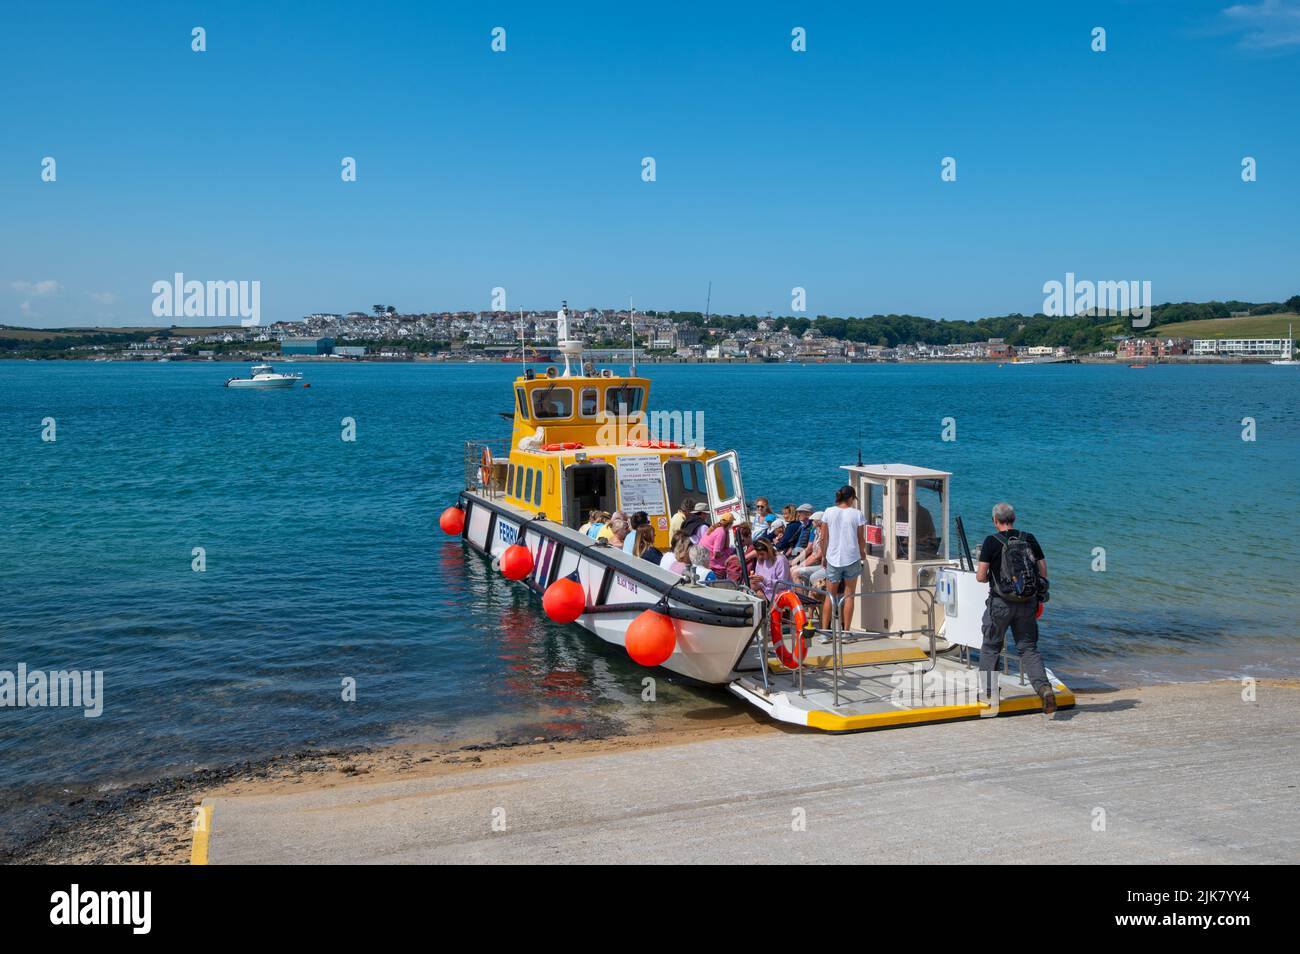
{"x": 1013, "y": 564}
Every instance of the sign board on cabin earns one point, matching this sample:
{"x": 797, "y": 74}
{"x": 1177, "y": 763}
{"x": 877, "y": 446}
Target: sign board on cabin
{"x": 640, "y": 484}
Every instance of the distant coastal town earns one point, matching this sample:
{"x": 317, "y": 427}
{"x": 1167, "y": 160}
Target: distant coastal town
{"x": 1184, "y": 332}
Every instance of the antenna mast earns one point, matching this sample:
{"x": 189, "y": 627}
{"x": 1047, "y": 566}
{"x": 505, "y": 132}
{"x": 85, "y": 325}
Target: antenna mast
{"x": 631, "y": 317}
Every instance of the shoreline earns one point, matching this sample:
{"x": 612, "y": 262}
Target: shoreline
{"x": 150, "y": 823}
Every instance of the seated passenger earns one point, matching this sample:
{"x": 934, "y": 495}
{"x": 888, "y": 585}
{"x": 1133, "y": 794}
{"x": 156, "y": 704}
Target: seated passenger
{"x": 761, "y": 513}
{"x": 619, "y": 531}
{"x": 700, "y": 571}
{"x": 770, "y": 568}
{"x": 741, "y": 555}
{"x": 639, "y": 519}
{"x": 644, "y": 544}
{"x": 679, "y": 557}
{"x": 596, "y": 524}
{"x": 809, "y": 568}
{"x": 797, "y": 534}
{"x": 607, "y": 531}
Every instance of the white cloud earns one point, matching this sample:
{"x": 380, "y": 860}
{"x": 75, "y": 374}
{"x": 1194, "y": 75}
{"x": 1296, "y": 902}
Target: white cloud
{"x": 1270, "y": 25}
{"x": 47, "y": 287}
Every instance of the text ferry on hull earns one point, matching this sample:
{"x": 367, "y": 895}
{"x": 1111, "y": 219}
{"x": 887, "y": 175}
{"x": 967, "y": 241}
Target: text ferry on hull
{"x": 580, "y": 442}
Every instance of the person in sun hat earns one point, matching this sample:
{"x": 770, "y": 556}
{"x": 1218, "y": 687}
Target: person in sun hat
{"x": 697, "y": 524}
{"x": 797, "y": 534}
{"x": 809, "y": 568}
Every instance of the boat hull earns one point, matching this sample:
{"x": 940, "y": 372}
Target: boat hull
{"x": 247, "y": 383}
{"x": 714, "y": 626}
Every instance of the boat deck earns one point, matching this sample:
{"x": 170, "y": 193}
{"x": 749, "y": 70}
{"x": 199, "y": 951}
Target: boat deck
{"x": 882, "y": 682}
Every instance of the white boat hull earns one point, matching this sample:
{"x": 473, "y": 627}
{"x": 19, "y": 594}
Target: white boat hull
{"x": 714, "y": 625}
{"x": 273, "y": 383}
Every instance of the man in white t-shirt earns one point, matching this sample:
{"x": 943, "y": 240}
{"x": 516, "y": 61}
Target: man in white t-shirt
{"x": 843, "y": 529}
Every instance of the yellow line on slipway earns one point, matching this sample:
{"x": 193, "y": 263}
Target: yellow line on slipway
{"x": 202, "y": 829}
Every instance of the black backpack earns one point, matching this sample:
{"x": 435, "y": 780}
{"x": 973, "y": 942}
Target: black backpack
{"x": 1016, "y": 577}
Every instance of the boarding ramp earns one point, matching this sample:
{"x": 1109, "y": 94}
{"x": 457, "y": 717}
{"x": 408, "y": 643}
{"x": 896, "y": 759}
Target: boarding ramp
{"x": 854, "y": 680}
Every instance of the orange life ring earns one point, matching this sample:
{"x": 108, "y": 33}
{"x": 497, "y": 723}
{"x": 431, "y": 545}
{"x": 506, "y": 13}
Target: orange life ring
{"x": 567, "y": 445}
{"x": 655, "y": 445}
{"x": 788, "y": 600}
{"x": 485, "y": 468}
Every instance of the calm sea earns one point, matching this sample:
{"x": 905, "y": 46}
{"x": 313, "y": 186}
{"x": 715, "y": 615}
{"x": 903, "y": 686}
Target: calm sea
{"x": 324, "y": 562}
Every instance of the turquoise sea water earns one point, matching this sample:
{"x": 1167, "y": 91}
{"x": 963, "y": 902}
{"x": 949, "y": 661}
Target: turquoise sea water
{"x": 324, "y": 560}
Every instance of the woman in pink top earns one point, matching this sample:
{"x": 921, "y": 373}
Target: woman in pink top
{"x": 718, "y": 542}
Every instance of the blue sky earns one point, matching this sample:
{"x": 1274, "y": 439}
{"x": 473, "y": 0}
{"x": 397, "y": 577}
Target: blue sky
{"x": 522, "y": 169}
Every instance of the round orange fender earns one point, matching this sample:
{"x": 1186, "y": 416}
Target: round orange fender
{"x": 788, "y": 601}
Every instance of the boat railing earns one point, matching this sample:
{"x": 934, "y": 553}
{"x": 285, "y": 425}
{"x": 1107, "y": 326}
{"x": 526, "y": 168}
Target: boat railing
{"x": 839, "y": 635}
{"x": 485, "y": 465}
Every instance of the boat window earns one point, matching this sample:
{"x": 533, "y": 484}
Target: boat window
{"x": 590, "y": 402}
{"x": 623, "y": 399}
{"x": 528, "y": 484}
{"x": 722, "y": 475}
{"x": 929, "y": 519}
{"x": 875, "y": 520}
{"x": 519, "y": 482}
{"x": 684, "y": 480}
{"x": 522, "y": 396}
{"x": 537, "y": 491}
{"x": 510, "y": 479}
{"x": 552, "y": 402}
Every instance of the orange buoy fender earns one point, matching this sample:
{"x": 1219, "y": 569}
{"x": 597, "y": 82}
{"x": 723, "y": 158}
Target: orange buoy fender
{"x": 1038, "y": 614}
{"x": 788, "y": 601}
{"x": 651, "y": 638}
{"x": 516, "y": 562}
{"x": 452, "y": 521}
{"x": 564, "y": 600}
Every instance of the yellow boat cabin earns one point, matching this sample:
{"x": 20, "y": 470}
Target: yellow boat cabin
{"x": 586, "y": 441}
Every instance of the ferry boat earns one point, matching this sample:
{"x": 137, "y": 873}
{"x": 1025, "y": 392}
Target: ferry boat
{"x": 580, "y": 442}
{"x": 264, "y": 376}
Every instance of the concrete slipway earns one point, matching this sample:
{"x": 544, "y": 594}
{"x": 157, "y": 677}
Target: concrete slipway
{"x": 1185, "y": 773}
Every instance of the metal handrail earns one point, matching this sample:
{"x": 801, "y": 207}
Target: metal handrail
{"x": 498, "y": 447}
{"x": 837, "y": 633}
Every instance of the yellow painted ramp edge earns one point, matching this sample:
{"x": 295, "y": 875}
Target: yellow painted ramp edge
{"x": 202, "y": 830}
{"x": 829, "y": 722}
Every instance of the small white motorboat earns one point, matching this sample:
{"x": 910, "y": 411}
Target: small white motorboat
{"x": 265, "y": 376}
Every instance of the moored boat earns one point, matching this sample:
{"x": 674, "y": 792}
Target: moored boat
{"x": 264, "y": 376}
{"x": 580, "y": 442}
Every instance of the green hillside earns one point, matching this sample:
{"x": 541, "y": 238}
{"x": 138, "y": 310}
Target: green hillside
{"x": 1252, "y": 326}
